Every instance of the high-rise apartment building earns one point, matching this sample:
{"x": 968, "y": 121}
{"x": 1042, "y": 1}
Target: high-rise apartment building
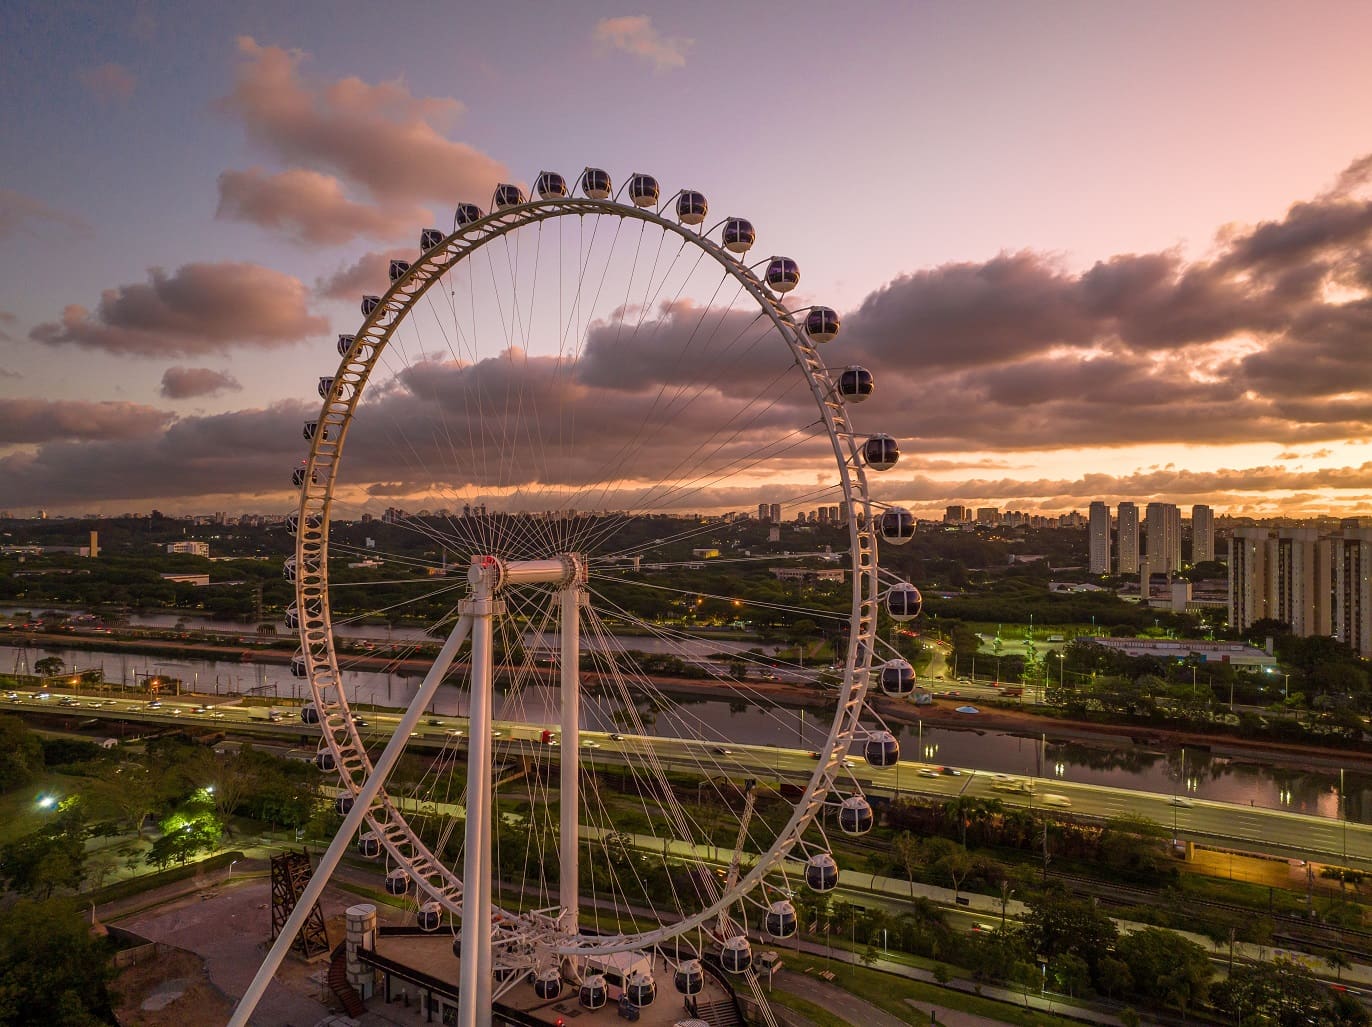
{"x": 988, "y": 515}
{"x": 957, "y": 514}
{"x": 763, "y": 512}
{"x": 1247, "y": 576}
{"x": 775, "y": 513}
{"x": 1127, "y": 546}
{"x": 1350, "y": 553}
{"x": 1098, "y": 529}
{"x": 1162, "y": 537}
{"x": 1202, "y": 534}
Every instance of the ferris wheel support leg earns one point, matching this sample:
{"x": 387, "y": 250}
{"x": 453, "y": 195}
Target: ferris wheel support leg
{"x": 361, "y": 803}
{"x": 569, "y": 799}
{"x": 474, "y": 987}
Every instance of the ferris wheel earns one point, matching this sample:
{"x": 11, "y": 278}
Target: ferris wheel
{"x": 550, "y": 393}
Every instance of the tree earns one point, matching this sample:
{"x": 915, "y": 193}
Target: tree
{"x": 131, "y": 793}
{"x": 52, "y": 857}
{"x": 956, "y": 865}
{"x": 49, "y": 666}
{"x": 1167, "y": 968}
{"x": 1071, "y": 974}
{"x": 1283, "y": 993}
{"x": 1056, "y": 925}
{"x": 21, "y": 754}
{"x": 905, "y": 846}
{"x": 1113, "y": 976}
{"x": 52, "y": 969}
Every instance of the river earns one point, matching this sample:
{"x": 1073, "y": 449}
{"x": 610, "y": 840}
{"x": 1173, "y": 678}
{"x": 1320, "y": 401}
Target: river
{"x": 1192, "y": 772}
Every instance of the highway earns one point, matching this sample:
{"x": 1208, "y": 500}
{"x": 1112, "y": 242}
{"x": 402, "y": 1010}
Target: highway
{"x": 1244, "y": 828}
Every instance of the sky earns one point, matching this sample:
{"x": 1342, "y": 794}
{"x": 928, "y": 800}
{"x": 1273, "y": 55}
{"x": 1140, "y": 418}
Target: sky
{"x": 1088, "y": 250}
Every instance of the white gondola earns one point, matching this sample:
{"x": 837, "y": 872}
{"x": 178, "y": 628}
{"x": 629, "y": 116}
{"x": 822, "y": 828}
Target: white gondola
{"x": 691, "y": 207}
{"x": 397, "y": 269}
{"x": 780, "y": 919}
{"x": 736, "y": 955}
{"x": 293, "y": 617}
{"x": 298, "y": 477}
{"x": 904, "y": 602}
{"x": 506, "y": 196}
{"x": 370, "y": 303}
{"x": 644, "y": 191}
{"x": 881, "y": 452}
{"x": 738, "y": 235}
{"x": 821, "y": 872}
{"x": 369, "y": 845}
{"x": 855, "y": 815}
{"x": 822, "y": 324}
{"x": 298, "y": 668}
{"x": 594, "y": 991}
{"x": 309, "y": 713}
{"x": 429, "y": 917}
{"x": 345, "y": 343}
{"x": 550, "y": 186}
{"x": 429, "y": 238}
{"x": 640, "y": 988}
{"x": 881, "y": 749}
{"x": 466, "y": 214}
{"x": 783, "y": 274}
{"x": 596, "y": 184}
{"x": 325, "y": 386}
{"x": 897, "y": 678}
{"x": 397, "y": 882}
{"x": 897, "y": 525}
{"x": 856, "y": 383}
{"x": 689, "y": 978}
{"x": 548, "y": 984}
{"x": 324, "y": 760}
{"x": 343, "y": 805}
{"x": 309, "y": 429}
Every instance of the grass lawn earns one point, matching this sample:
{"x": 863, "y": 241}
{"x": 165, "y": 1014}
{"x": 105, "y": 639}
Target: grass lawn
{"x": 20, "y": 813}
{"x": 817, "y": 1015}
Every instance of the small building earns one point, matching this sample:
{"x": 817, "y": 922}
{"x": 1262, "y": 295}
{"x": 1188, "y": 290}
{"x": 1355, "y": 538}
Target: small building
{"x": 187, "y": 579}
{"x": 189, "y": 548}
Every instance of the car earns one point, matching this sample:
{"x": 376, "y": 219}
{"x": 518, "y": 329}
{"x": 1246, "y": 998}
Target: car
{"x": 616, "y": 737}
{"x": 497, "y": 734}
{"x": 69, "y": 702}
{"x": 720, "y": 750}
{"x": 587, "y": 743}
{"x": 927, "y": 772}
{"x": 1181, "y": 802}
{"x": 155, "y": 704}
{"x": 1002, "y": 777}
{"x": 11, "y": 695}
{"x": 452, "y": 733}
{"x": 217, "y": 715}
{"x": 814, "y": 755}
{"x": 1053, "y": 799}
{"x": 770, "y": 676}
{"x": 274, "y": 715}
{"x": 199, "y": 709}
{"x": 435, "y": 722}
{"x": 964, "y": 680}
{"x": 95, "y": 704}
{"x": 43, "y": 695}
{"x": 846, "y": 763}
{"x": 950, "y": 771}
{"x": 984, "y": 928}
{"x": 361, "y": 721}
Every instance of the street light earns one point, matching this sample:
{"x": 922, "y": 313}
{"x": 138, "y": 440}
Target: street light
{"x": 231, "y": 863}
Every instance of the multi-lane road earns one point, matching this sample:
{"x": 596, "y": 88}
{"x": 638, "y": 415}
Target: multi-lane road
{"x": 1246, "y": 828}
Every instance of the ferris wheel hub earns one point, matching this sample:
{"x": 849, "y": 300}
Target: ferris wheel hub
{"x": 491, "y": 573}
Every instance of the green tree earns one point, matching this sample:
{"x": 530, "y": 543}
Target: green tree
{"x": 21, "y": 754}
{"x": 50, "y": 858}
{"x": 1167, "y": 968}
{"x": 52, "y": 969}
{"x": 1282, "y": 993}
{"x": 49, "y": 666}
{"x": 1055, "y": 925}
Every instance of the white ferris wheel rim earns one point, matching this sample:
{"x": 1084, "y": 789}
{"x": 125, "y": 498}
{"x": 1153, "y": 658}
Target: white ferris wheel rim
{"x": 340, "y": 734}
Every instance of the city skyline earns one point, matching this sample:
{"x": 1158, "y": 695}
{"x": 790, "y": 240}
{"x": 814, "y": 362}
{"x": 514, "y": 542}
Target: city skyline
{"x": 1154, "y": 294}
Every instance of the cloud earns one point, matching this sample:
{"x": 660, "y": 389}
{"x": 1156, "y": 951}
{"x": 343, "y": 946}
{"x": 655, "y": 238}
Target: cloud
{"x": 188, "y": 382}
{"x": 27, "y": 421}
{"x": 376, "y": 137}
{"x": 21, "y": 213}
{"x": 368, "y": 274}
{"x": 199, "y": 308}
{"x": 310, "y": 207}
{"x": 636, "y": 35}
{"x": 109, "y": 83}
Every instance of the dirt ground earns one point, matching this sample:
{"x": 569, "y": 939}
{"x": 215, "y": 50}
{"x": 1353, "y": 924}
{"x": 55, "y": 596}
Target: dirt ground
{"x": 171, "y": 989}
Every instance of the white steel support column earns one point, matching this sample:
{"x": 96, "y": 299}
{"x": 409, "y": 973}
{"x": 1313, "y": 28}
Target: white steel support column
{"x": 365, "y": 796}
{"x": 569, "y": 798}
{"x": 474, "y": 987}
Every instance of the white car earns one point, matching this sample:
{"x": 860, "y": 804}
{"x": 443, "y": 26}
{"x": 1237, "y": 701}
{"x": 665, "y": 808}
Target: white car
{"x": 1181, "y": 802}
{"x": 590, "y": 744}
{"x": 1053, "y": 799}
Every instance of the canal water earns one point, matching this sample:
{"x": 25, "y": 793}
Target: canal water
{"x": 1191, "y": 771}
